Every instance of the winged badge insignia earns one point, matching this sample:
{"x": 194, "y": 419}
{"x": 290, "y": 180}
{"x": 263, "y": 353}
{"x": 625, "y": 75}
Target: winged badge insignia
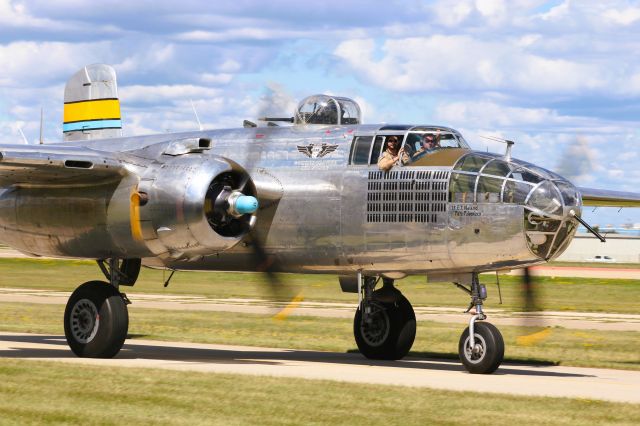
{"x": 316, "y": 150}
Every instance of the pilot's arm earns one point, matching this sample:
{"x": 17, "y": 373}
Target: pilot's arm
{"x": 386, "y": 161}
{"x": 403, "y": 156}
{"x": 408, "y": 152}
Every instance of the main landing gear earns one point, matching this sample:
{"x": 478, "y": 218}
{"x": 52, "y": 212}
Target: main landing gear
{"x": 481, "y": 347}
{"x": 96, "y": 319}
{"x": 385, "y": 324}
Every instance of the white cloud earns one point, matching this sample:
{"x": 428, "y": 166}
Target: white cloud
{"x": 625, "y": 17}
{"x": 34, "y": 63}
{"x": 557, "y": 12}
{"x": 221, "y": 78}
{"x": 238, "y": 34}
{"x": 495, "y": 9}
{"x": 455, "y": 63}
{"x": 151, "y": 57}
{"x": 163, "y": 94}
{"x": 230, "y": 66}
{"x": 16, "y": 15}
{"x": 486, "y": 113}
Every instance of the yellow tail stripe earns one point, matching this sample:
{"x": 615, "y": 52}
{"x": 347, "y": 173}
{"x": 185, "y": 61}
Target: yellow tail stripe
{"x": 97, "y": 109}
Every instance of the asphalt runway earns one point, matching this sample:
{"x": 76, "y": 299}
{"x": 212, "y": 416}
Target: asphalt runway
{"x": 573, "y": 320}
{"x": 514, "y": 379}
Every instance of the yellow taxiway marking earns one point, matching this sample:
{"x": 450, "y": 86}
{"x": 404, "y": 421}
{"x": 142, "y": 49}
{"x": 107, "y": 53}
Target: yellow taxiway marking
{"x": 532, "y": 339}
{"x": 286, "y": 311}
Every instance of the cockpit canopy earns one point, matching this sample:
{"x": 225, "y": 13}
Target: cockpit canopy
{"x": 325, "y": 109}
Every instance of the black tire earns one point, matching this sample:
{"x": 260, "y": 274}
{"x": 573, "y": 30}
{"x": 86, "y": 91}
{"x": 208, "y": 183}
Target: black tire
{"x": 96, "y": 320}
{"x": 491, "y": 349}
{"x": 392, "y": 330}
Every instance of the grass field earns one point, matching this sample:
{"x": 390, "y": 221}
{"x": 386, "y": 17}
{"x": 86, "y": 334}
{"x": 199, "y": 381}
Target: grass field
{"x": 54, "y": 393}
{"x": 33, "y": 392}
{"x": 586, "y": 348}
{"x": 557, "y": 294}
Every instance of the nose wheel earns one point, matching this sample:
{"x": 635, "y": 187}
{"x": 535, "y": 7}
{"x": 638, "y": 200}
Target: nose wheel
{"x": 484, "y": 354}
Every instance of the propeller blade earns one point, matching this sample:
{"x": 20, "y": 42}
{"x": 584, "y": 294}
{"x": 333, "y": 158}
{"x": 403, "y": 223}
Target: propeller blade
{"x": 266, "y": 264}
{"x": 531, "y": 304}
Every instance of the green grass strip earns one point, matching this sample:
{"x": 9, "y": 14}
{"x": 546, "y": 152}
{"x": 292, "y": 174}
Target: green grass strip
{"x": 34, "y": 392}
{"x": 555, "y": 294}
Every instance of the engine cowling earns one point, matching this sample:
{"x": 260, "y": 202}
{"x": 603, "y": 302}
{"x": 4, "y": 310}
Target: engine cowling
{"x": 192, "y": 206}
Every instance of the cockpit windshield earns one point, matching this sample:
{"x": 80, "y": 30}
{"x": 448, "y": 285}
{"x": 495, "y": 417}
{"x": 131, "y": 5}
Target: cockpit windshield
{"x": 421, "y": 142}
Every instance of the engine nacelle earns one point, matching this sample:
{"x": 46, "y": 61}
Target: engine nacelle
{"x": 192, "y": 206}
{"x": 186, "y": 207}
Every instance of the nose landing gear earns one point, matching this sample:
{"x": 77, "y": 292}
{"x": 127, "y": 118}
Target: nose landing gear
{"x": 385, "y": 324}
{"x": 481, "y": 346}
{"x": 485, "y": 354}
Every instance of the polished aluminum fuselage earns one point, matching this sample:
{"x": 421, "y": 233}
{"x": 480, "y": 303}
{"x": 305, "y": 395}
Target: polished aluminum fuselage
{"x": 318, "y": 213}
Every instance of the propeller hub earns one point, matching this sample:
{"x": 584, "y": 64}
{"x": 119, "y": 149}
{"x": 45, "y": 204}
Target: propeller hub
{"x": 240, "y": 204}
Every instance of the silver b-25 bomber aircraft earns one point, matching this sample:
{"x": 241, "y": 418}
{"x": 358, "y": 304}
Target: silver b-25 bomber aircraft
{"x": 307, "y": 197}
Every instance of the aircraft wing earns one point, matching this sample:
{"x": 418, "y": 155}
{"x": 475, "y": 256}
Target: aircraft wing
{"x": 606, "y": 198}
{"x": 57, "y": 165}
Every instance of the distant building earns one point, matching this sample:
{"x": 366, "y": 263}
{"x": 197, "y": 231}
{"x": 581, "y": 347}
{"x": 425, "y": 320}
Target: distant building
{"x": 620, "y": 247}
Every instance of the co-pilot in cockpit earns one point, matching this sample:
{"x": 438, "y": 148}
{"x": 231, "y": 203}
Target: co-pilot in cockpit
{"x": 420, "y": 144}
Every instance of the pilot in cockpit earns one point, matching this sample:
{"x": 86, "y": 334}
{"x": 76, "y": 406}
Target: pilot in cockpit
{"x": 429, "y": 144}
{"x": 392, "y": 154}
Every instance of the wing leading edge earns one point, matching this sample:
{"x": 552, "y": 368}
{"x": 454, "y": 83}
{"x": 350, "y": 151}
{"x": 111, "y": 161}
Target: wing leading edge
{"x": 606, "y": 198}
{"x": 57, "y": 165}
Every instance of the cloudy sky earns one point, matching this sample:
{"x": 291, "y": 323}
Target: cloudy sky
{"x": 561, "y": 78}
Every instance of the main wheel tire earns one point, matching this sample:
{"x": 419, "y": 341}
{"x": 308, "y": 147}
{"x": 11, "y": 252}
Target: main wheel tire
{"x": 391, "y": 331}
{"x": 489, "y": 351}
{"x": 96, "y": 320}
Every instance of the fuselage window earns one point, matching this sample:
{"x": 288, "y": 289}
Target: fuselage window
{"x": 462, "y": 188}
{"x": 497, "y": 168}
{"x": 516, "y": 192}
{"x": 360, "y": 150}
{"x": 489, "y": 189}
{"x": 375, "y": 152}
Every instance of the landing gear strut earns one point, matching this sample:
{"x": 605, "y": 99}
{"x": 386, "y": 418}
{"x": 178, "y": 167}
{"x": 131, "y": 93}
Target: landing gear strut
{"x": 96, "y": 319}
{"x": 385, "y": 324}
{"x": 481, "y": 347}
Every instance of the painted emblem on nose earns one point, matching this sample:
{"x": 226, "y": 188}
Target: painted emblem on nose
{"x": 316, "y": 150}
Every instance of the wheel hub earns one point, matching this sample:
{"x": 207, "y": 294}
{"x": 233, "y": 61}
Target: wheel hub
{"x": 84, "y": 321}
{"x": 476, "y": 354}
{"x": 375, "y": 329}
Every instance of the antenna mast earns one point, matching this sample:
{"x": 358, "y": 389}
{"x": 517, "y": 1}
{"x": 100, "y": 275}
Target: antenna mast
{"x": 24, "y": 138}
{"x": 196, "y": 114}
{"x": 41, "y": 121}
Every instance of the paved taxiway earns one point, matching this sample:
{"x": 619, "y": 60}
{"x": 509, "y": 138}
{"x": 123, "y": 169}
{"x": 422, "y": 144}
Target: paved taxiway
{"x": 574, "y": 320}
{"x": 516, "y": 379}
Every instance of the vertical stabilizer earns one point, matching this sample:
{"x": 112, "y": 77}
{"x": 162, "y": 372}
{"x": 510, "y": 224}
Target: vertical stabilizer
{"x": 91, "y": 105}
